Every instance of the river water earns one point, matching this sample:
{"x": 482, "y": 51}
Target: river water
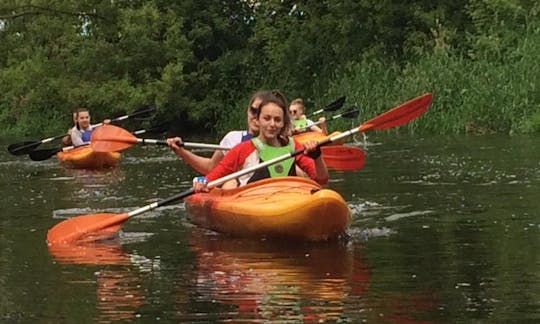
{"x": 444, "y": 230}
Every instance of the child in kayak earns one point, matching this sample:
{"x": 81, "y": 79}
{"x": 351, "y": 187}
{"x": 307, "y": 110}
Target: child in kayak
{"x": 300, "y": 121}
{"x": 272, "y": 141}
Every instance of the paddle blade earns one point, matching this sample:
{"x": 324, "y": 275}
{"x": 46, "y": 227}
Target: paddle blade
{"x": 399, "y": 115}
{"x": 331, "y": 106}
{"x": 343, "y": 157}
{"x": 109, "y": 138}
{"x": 335, "y": 105}
{"x": 42, "y": 155}
{"x": 86, "y": 228}
{"x": 22, "y": 148}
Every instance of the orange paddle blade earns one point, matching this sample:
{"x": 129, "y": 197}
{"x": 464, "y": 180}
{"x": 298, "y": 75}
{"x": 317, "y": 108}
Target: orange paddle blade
{"x": 109, "y": 138}
{"x": 399, "y": 115}
{"x": 343, "y": 157}
{"x": 80, "y": 228}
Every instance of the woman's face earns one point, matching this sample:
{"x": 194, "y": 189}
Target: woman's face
{"x": 253, "y": 124}
{"x": 83, "y": 118}
{"x": 270, "y": 122}
{"x": 296, "y": 111}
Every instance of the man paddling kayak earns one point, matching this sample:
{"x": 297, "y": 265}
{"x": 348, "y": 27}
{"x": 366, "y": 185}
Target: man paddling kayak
{"x": 272, "y": 141}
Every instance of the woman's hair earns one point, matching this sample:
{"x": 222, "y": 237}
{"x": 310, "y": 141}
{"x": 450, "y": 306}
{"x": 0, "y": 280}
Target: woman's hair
{"x": 257, "y": 95}
{"x": 276, "y": 97}
{"x": 80, "y": 110}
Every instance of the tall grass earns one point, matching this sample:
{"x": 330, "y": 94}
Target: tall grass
{"x": 469, "y": 96}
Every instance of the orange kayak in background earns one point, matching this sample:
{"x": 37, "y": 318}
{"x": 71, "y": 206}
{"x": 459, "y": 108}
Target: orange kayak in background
{"x": 286, "y": 207}
{"x": 316, "y": 136}
{"x": 85, "y": 158}
{"x": 335, "y": 155}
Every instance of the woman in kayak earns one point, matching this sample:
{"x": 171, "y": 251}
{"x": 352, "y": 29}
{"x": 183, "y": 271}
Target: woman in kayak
{"x": 273, "y": 141}
{"x": 82, "y": 131}
{"x": 300, "y": 121}
{"x": 204, "y": 164}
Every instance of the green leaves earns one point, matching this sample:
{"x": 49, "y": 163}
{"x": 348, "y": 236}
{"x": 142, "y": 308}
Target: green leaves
{"x": 201, "y": 60}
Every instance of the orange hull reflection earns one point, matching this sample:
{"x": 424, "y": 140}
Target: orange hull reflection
{"x": 118, "y": 290}
{"x": 273, "y": 280}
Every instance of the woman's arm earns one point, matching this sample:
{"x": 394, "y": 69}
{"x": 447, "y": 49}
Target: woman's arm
{"x": 200, "y": 163}
{"x": 313, "y": 166}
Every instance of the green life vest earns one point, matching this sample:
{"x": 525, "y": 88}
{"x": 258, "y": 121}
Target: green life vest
{"x": 302, "y": 122}
{"x": 267, "y": 152}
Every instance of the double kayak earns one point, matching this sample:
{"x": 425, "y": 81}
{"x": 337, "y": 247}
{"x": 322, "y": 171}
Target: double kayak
{"x": 84, "y": 157}
{"x": 285, "y": 207}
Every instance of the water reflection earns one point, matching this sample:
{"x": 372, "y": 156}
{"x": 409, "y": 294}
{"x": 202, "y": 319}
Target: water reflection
{"x": 95, "y": 178}
{"x": 276, "y": 280}
{"x": 90, "y": 253}
{"x": 118, "y": 287}
{"x": 448, "y": 229}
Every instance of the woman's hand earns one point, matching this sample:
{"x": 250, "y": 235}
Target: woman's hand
{"x": 200, "y": 184}
{"x": 175, "y": 143}
{"x": 312, "y": 149}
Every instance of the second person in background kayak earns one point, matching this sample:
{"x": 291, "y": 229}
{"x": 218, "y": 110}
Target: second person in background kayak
{"x": 301, "y": 122}
{"x": 273, "y": 140}
{"x": 205, "y": 164}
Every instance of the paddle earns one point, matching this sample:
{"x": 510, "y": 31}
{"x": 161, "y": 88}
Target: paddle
{"x": 45, "y": 154}
{"x": 343, "y": 157}
{"x": 333, "y": 106}
{"x": 108, "y": 138}
{"x": 42, "y": 155}
{"x": 93, "y": 224}
{"x": 351, "y": 113}
{"x": 28, "y": 146}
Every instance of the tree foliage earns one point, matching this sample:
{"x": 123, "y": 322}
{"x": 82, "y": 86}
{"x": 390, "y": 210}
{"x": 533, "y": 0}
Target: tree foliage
{"x": 200, "y": 60}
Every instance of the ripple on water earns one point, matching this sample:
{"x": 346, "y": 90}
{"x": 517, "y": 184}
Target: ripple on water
{"x": 363, "y": 214}
{"x": 27, "y": 164}
{"x": 397, "y": 216}
{"x": 61, "y": 178}
{"x": 363, "y": 234}
{"x": 71, "y": 212}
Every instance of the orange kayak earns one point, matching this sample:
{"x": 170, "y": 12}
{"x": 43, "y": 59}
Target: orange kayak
{"x": 316, "y": 136}
{"x": 85, "y": 158}
{"x": 287, "y": 207}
